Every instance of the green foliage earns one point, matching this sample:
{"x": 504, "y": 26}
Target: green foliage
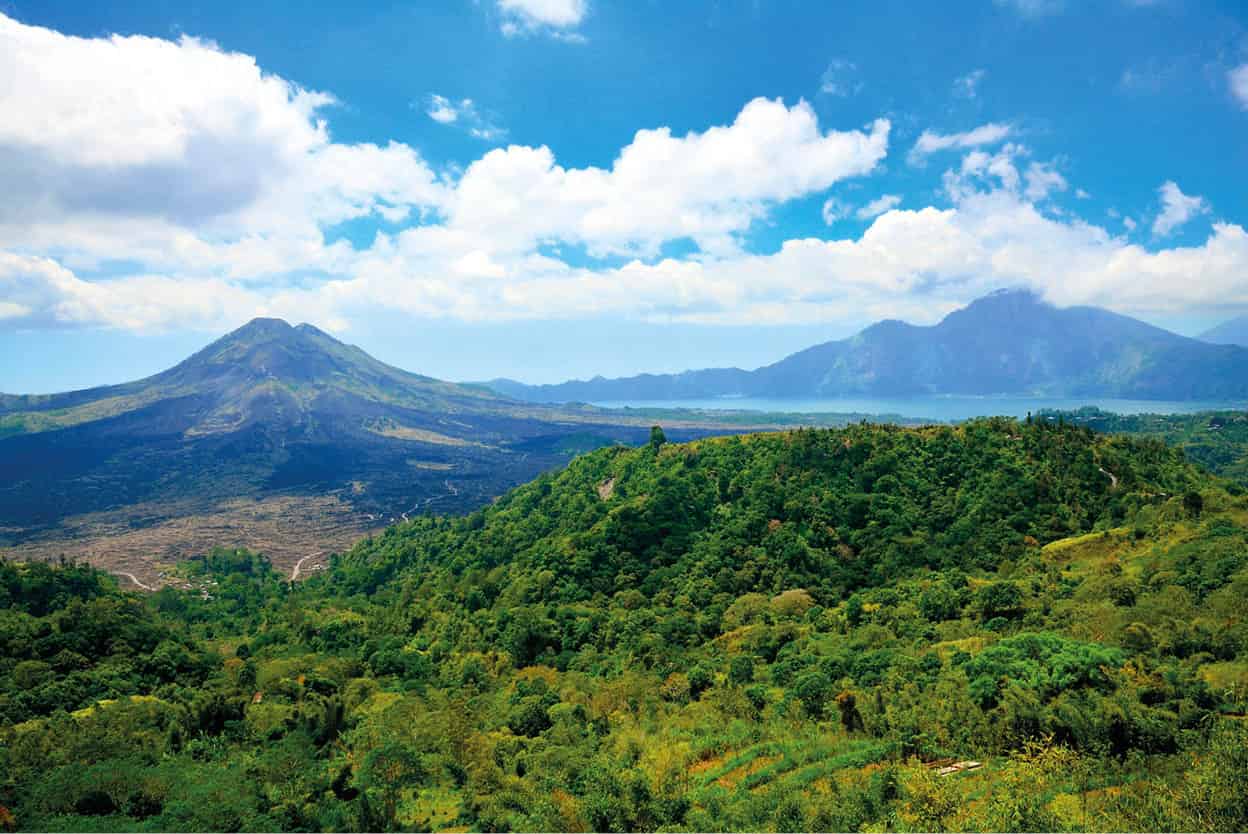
{"x": 1217, "y": 440}
{"x": 1043, "y": 664}
{"x": 766, "y": 632}
{"x": 1000, "y": 599}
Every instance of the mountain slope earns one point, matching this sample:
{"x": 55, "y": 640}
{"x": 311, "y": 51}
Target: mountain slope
{"x": 997, "y": 626}
{"x": 268, "y": 411}
{"x": 1005, "y": 343}
{"x": 1233, "y": 332}
{"x": 252, "y": 372}
{"x": 851, "y": 507}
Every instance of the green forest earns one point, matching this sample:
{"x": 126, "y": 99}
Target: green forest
{"x": 1001, "y": 625}
{"x": 1217, "y": 440}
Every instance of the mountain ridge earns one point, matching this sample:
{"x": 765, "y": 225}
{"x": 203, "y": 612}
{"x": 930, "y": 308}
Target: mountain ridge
{"x": 262, "y": 348}
{"x": 1007, "y": 343}
{"x": 1232, "y": 332}
{"x": 267, "y": 425}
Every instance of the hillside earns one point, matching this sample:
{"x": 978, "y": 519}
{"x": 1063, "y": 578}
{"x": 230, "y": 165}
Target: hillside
{"x": 1006, "y": 343}
{"x": 775, "y": 632}
{"x": 273, "y": 437}
{"x": 1215, "y": 440}
{"x": 1232, "y": 332}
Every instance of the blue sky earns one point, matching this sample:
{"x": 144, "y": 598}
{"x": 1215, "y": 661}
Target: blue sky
{"x": 546, "y": 189}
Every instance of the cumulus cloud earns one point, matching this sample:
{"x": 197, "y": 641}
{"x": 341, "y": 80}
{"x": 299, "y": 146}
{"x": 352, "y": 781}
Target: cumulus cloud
{"x": 465, "y": 114}
{"x": 967, "y": 86}
{"x": 912, "y": 263}
{"x": 931, "y": 142}
{"x": 979, "y": 167}
{"x": 226, "y": 210}
{"x": 1176, "y": 209}
{"x": 916, "y": 264}
{"x": 557, "y": 18}
{"x": 708, "y": 187}
{"x": 175, "y": 153}
{"x": 1237, "y": 79}
{"x": 38, "y": 292}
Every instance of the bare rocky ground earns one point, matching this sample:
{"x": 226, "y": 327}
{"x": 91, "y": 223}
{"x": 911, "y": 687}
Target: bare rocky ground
{"x": 287, "y": 529}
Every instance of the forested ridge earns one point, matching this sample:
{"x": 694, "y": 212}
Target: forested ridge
{"x": 1217, "y": 440}
{"x": 774, "y": 631}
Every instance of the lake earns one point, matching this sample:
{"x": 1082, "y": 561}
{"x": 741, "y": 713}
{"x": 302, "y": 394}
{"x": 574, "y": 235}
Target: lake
{"x": 933, "y": 408}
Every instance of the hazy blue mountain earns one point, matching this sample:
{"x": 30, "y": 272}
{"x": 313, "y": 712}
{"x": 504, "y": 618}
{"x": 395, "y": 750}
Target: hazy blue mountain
{"x": 1233, "y": 332}
{"x": 712, "y": 382}
{"x": 1010, "y": 342}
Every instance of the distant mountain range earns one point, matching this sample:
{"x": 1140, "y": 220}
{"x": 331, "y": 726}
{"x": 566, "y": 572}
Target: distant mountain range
{"x": 1233, "y": 332}
{"x": 279, "y": 438}
{"x": 1008, "y": 343}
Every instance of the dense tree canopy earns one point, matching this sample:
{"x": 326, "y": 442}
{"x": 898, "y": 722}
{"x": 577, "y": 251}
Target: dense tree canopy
{"x": 776, "y": 632}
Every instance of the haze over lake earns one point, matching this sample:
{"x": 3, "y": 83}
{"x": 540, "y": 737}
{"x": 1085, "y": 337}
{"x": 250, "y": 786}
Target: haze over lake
{"x": 935, "y": 407}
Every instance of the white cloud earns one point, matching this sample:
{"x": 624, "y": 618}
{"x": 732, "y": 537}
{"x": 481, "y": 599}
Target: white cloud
{"x": 833, "y": 210}
{"x": 142, "y": 113}
{"x": 980, "y": 167}
{"x": 38, "y": 292}
{"x": 838, "y": 79}
{"x": 914, "y": 264}
{"x": 878, "y": 206}
{"x": 442, "y": 110}
{"x": 1176, "y": 209}
{"x": 708, "y": 187}
{"x": 178, "y": 155}
{"x": 557, "y": 18}
{"x": 1238, "y": 81}
{"x": 1042, "y": 180}
{"x": 967, "y": 86}
{"x": 465, "y": 114}
{"x": 218, "y": 216}
{"x": 930, "y": 142}
{"x": 1130, "y": 223}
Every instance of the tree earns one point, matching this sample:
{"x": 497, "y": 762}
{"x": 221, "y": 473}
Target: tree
{"x": 386, "y": 771}
{"x": 657, "y": 437}
{"x": 847, "y": 705}
{"x": 1000, "y": 599}
{"x": 741, "y": 670}
{"x": 812, "y": 689}
{"x": 940, "y": 601}
{"x": 530, "y": 717}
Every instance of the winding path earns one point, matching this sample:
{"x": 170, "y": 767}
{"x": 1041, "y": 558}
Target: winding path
{"x": 1113, "y": 479}
{"x": 135, "y": 580}
{"x": 451, "y": 492}
{"x": 299, "y": 565}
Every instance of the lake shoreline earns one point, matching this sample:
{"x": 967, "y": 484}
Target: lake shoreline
{"x": 944, "y": 408}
